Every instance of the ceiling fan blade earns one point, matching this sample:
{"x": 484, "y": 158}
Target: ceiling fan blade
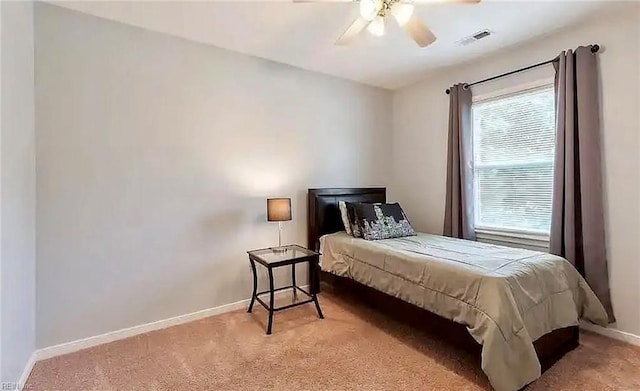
{"x": 419, "y": 32}
{"x": 352, "y": 31}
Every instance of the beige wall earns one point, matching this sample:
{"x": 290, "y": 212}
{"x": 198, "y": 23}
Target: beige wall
{"x": 155, "y": 157}
{"x": 17, "y": 166}
{"x": 420, "y": 136}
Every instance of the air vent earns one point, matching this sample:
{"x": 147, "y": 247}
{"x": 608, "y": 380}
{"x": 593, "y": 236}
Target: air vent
{"x": 475, "y": 37}
{"x": 482, "y": 34}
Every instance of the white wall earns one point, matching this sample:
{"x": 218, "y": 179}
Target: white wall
{"x": 17, "y": 198}
{"x": 420, "y": 138}
{"x": 155, "y": 157}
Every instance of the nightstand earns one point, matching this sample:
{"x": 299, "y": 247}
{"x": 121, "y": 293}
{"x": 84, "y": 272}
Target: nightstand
{"x": 271, "y": 258}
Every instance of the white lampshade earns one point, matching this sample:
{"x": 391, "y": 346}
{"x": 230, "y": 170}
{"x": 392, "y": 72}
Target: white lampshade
{"x": 402, "y": 12}
{"x": 369, "y": 8}
{"x": 377, "y": 27}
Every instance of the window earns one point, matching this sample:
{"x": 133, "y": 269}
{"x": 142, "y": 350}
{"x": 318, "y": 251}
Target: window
{"x": 513, "y": 149}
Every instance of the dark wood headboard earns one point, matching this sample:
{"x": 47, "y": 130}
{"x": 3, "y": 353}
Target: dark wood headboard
{"x": 324, "y": 214}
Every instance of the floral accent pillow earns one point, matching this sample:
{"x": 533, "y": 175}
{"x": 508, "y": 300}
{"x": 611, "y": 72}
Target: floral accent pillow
{"x": 382, "y": 221}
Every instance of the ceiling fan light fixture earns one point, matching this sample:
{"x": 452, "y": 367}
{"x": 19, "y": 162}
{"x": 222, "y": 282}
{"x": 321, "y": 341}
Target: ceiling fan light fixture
{"x": 369, "y": 9}
{"x": 402, "y": 12}
{"x": 377, "y": 26}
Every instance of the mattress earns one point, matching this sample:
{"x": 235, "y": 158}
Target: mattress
{"x": 506, "y": 297}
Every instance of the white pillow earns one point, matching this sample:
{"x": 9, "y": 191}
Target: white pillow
{"x": 345, "y": 217}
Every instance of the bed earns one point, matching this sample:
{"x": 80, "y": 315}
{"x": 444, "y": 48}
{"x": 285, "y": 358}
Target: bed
{"x": 506, "y": 306}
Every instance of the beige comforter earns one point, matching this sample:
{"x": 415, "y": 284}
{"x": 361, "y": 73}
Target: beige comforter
{"x": 506, "y": 297}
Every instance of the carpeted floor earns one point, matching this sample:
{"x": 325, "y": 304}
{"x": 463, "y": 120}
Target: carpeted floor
{"x": 352, "y": 349}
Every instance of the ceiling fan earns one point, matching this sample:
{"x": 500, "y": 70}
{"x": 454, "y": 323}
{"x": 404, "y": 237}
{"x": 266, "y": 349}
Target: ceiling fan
{"x": 373, "y": 18}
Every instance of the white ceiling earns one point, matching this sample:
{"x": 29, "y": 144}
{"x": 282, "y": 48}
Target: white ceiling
{"x": 302, "y": 34}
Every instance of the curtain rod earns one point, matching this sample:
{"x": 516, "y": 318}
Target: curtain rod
{"x": 594, "y": 49}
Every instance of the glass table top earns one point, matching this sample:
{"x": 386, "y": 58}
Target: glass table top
{"x": 292, "y": 251}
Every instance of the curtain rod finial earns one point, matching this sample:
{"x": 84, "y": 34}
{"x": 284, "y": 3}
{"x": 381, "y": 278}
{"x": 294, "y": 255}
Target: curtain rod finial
{"x": 447, "y": 91}
{"x": 595, "y": 48}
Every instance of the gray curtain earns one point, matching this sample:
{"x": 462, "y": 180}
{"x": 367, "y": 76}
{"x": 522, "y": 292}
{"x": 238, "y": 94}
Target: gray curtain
{"x": 577, "y": 223}
{"x": 459, "y": 214}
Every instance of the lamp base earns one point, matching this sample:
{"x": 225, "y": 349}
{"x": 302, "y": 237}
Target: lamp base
{"x": 279, "y": 250}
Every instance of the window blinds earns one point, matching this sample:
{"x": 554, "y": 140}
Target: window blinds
{"x": 513, "y": 147}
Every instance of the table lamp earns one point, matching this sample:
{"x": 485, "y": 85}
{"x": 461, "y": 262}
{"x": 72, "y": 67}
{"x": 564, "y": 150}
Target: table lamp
{"x": 279, "y": 209}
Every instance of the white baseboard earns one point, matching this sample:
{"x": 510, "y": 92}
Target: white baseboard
{"x": 28, "y": 367}
{"x": 611, "y": 333}
{"x": 84, "y": 343}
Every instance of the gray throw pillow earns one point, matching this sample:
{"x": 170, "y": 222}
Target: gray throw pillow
{"x": 353, "y": 221}
{"x": 345, "y": 217}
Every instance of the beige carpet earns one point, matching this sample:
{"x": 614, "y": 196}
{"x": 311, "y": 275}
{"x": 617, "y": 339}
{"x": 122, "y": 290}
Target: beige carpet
{"x": 352, "y": 349}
